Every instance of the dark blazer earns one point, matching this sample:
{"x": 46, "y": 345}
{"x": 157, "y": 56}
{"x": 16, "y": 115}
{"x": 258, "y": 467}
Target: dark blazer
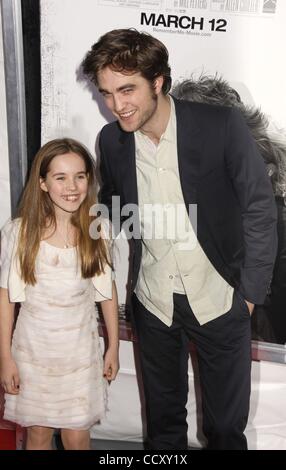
{"x": 223, "y": 173}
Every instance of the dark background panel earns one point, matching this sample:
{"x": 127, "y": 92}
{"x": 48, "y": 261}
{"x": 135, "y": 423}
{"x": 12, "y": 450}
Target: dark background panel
{"x": 32, "y": 68}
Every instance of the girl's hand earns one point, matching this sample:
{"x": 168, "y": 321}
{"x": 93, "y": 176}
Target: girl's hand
{"x": 9, "y": 376}
{"x": 111, "y": 364}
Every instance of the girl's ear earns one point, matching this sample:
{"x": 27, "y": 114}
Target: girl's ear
{"x": 43, "y": 185}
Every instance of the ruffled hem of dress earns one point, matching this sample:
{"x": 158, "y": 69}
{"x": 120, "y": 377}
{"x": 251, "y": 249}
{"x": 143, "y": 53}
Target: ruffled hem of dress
{"x": 55, "y": 425}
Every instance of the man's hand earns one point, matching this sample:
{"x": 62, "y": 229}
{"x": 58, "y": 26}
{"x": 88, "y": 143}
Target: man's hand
{"x": 250, "y": 306}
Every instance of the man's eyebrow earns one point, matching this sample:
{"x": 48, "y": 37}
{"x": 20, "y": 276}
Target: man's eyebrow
{"x": 121, "y": 88}
{"x": 127, "y": 85}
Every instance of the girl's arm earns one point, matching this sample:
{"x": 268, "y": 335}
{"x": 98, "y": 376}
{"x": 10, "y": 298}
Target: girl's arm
{"x": 110, "y": 314}
{"x": 9, "y": 376}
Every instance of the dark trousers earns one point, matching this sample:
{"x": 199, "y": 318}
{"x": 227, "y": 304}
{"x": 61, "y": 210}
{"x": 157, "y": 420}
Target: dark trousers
{"x": 224, "y": 357}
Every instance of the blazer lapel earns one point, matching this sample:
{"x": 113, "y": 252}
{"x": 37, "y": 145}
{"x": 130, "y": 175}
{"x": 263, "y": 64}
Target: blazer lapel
{"x": 127, "y": 164}
{"x": 189, "y": 145}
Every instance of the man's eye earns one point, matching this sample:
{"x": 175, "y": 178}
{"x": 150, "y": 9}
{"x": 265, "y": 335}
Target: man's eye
{"x": 60, "y": 178}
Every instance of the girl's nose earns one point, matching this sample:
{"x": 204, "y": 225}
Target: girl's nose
{"x": 71, "y": 185}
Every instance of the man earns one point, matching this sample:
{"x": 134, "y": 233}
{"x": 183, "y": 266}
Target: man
{"x": 168, "y": 153}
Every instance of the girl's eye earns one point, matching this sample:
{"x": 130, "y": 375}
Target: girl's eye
{"x": 60, "y": 178}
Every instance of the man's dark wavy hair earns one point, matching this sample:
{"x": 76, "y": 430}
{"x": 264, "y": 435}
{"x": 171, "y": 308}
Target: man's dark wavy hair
{"x": 215, "y": 90}
{"x": 129, "y": 51}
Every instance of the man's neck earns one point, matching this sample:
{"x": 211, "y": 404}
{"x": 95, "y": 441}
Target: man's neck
{"x": 157, "y": 125}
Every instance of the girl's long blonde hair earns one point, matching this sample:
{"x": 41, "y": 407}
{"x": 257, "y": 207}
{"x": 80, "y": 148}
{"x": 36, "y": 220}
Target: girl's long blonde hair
{"x": 37, "y": 213}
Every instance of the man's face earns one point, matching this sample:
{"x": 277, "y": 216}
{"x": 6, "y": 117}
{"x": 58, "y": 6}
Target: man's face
{"x": 131, "y": 98}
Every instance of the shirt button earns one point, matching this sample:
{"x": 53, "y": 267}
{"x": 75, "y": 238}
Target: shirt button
{"x": 161, "y": 169}
{"x": 171, "y": 277}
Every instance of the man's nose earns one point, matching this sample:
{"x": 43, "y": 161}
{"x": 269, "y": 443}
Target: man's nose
{"x": 118, "y": 104}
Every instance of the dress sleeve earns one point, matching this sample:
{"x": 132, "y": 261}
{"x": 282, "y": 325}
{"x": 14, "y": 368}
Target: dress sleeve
{"x": 103, "y": 282}
{"x": 7, "y": 245}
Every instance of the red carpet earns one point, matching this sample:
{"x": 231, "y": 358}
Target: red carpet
{"x": 7, "y": 439}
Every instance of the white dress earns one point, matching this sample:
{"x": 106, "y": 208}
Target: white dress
{"x": 56, "y": 347}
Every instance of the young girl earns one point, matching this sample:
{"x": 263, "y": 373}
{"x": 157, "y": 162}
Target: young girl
{"x": 53, "y": 374}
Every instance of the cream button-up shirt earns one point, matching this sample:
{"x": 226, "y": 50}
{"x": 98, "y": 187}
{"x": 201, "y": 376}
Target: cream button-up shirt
{"x": 172, "y": 258}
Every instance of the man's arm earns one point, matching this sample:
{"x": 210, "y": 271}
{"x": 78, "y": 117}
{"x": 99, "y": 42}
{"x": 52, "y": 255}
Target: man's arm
{"x": 253, "y": 189}
{"x": 107, "y": 189}
{"x": 108, "y": 194}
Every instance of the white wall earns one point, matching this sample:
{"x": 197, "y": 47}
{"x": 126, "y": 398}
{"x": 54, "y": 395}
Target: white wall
{"x": 5, "y": 208}
{"x": 250, "y": 55}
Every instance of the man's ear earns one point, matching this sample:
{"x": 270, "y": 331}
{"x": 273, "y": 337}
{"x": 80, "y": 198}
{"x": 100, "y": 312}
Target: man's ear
{"x": 43, "y": 185}
{"x": 158, "y": 83}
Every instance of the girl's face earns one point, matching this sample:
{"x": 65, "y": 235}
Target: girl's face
{"x": 66, "y": 182}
